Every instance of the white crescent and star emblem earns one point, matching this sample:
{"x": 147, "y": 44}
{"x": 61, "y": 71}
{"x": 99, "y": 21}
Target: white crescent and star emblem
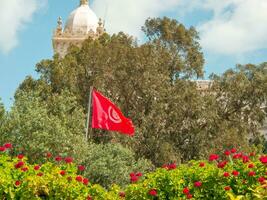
{"x": 113, "y": 115}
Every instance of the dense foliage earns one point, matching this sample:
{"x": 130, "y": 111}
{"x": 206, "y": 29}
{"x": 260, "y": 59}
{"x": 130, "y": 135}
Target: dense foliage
{"x": 153, "y": 85}
{"x": 222, "y": 177}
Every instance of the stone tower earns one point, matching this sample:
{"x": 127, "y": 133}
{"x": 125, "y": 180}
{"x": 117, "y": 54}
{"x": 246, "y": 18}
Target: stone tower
{"x": 81, "y": 24}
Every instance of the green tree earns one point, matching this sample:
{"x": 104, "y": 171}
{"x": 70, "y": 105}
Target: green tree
{"x": 55, "y": 125}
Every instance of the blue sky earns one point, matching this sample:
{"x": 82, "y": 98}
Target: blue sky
{"x": 232, "y": 31}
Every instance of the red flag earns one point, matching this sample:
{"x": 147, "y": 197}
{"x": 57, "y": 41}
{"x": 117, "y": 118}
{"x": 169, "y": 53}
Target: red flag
{"x": 106, "y": 115}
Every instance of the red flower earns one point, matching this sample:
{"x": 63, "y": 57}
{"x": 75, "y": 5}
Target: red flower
{"x": 20, "y": 156}
{"x": 79, "y": 178}
{"x": 251, "y": 154}
{"x": 233, "y": 150}
{"x": 40, "y": 174}
{"x": 226, "y": 174}
{"x": 202, "y": 164}
{"x": 19, "y": 164}
{"x": 227, "y": 188}
{"x": 48, "y": 155}
{"x": 186, "y": 190}
{"x": 132, "y": 174}
{"x": 89, "y": 198}
{"x": 2, "y": 149}
{"x": 139, "y": 174}
{"x": 24, "y": 169}
{"x": 85, "y": 181}
{"x": 251, "y": 173}
{"x": 261, "y": 179}
{"x": 122, "y": 194}
{"x": 245, "y": 159}
{"x": 165, "y": 166}
{"x": 68, "y": 159}
{"x": 62, "y": 172}
{"x": 237, "y": 155}
{"x": 235, "y": 173}
{"x": 227, "y": 152}
{"x": 197, "y": 184}
{"x": 189, "y": 196}
{"x": 213, "y": 157}
{"x": 172, "y": 166}
{"x": 221, "y": 164}
{"x": 251, "y": 165}
{"x": 8, "y": 145}
{"x": 17, "y": 183}
{"x": 58, "y": 158}
{"x": 81, "y": 168}
{"x": 134, "y": 179}
{"x": 153, "y": 192}
{"x": 36, "y": 167}
{"x": 263, "y": 159}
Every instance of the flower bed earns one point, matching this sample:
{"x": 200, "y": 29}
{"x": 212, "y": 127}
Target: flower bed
{"x": 237, "y": 174}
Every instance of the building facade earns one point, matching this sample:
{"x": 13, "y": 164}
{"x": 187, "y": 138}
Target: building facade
{"x": 81, "y": 24}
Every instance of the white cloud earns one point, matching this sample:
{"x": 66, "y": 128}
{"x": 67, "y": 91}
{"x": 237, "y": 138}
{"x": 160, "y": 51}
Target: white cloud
{"x": 130, "y": 15}
{"x": 237, "y": 26}
{"x": 14, "y": 14}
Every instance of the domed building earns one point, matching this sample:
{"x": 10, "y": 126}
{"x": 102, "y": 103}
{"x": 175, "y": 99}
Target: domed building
{"x": 81, "y": 24}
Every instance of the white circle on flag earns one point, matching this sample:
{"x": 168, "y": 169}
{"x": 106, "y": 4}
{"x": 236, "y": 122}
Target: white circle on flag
{"x": 113, "y": 115}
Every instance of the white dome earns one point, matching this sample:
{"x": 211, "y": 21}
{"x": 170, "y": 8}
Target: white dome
{"x": 81, "y": 20}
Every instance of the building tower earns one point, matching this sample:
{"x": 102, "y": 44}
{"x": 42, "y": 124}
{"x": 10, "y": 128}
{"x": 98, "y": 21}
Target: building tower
{"x": 81, "y": 24}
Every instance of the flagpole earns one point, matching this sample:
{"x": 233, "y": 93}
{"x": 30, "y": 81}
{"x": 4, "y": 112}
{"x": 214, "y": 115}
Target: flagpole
{"x": 88, "y": 114}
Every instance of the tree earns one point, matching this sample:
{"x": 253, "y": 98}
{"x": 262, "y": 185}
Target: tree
{"x": 151, "y": 83}
{"x": 55, "y": 125}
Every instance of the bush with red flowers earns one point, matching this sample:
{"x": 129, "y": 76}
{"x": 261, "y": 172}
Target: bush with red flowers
{"x": 215, "y": 178}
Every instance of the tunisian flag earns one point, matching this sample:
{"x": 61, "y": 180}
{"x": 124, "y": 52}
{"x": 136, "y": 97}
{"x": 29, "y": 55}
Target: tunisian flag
{"x": 106, "y": 115}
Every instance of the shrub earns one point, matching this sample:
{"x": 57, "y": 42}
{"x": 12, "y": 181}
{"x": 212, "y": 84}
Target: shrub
{"x": 112, "y": 163}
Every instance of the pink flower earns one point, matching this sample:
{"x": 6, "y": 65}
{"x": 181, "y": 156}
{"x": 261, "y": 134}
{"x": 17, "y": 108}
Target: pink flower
{"x": 8, "y": 145}
{"x": 153, "y": 192}
{"x": 68, "y": 159}
{"x": 197, "y": 184}
{"x": 81, "y": 168}
{"x": 213, "y": 157}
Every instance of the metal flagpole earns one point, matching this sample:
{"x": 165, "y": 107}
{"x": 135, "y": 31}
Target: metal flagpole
{"x": 88, "y": 114}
